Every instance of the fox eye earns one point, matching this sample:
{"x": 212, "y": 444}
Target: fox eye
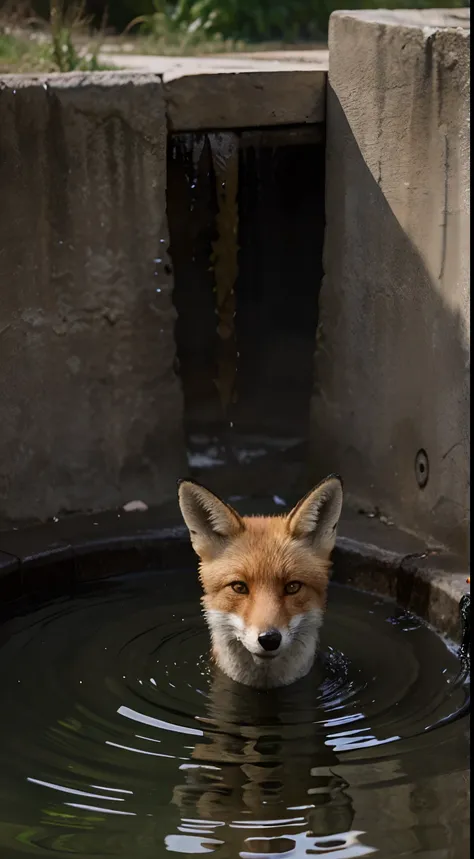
{"x": 293, "y": 587}
{"x": 239, "y": 587}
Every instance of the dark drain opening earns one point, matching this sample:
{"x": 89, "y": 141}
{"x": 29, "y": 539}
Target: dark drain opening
{"x": 246, "y": 219}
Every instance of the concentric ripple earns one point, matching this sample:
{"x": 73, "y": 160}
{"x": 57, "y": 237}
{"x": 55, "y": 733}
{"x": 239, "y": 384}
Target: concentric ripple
{"x": 119, "y": 739}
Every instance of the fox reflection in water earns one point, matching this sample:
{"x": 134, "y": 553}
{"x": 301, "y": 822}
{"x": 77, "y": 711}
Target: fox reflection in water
{"x": 261, "y": 780}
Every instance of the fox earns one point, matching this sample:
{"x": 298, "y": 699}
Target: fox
{"x": 264, "y": 580}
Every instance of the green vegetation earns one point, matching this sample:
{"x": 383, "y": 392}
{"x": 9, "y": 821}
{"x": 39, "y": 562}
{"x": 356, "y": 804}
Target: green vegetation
{"x": 66, "y": 35}
{"x": 31, "y": 44}
{"x": 65, "y": 18}
{"x": 162, "y": 32}
{"x": 247, "y": 20}
{"x": 21, "y": 55}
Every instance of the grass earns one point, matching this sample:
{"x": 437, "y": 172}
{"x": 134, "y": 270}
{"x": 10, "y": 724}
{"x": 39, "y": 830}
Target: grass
{"x": 23, "y": 52}
{"x": 19, "y": 54}
{"x": 65, "y": 44}
{"x": 28, "y": 44}
{"x": 157, "y": 34}
{"x": 26, "y": 53}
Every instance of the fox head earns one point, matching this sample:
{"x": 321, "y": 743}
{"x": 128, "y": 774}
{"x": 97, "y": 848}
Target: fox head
{"x": 264, "y": 579}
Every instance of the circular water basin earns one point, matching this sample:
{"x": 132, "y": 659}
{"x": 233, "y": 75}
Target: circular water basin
{"x": 120, "y": 739}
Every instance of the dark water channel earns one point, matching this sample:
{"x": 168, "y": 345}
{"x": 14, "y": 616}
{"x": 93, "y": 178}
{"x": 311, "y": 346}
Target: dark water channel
{"x": 246, "y": 220}
{"x": 119, "y": 739}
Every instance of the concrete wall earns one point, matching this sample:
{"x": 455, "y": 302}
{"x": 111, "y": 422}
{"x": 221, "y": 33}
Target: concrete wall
{"x": 392, "y": 357}
{"x": 91, "y": 409}
{"x": 90, "y": 406}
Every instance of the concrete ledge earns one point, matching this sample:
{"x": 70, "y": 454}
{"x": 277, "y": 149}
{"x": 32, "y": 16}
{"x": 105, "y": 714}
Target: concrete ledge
{"x": 240, "y": 99}
{"x": 238, "y": 91}
{"x": 425, "y": 18}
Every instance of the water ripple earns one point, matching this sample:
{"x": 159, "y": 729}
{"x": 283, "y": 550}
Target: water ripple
{"x": 122, "y": 740}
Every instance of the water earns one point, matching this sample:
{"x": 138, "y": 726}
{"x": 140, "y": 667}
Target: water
{"x": 119, "y": 739}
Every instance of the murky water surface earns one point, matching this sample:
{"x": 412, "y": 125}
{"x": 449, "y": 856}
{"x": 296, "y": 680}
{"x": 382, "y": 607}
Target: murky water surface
{"x": 118, "y": 739}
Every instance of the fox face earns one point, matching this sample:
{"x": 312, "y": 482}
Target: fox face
{"x": 264, "y": 580}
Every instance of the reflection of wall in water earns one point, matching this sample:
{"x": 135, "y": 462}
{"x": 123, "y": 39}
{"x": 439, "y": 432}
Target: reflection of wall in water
{"x": 408, "y": 809}
{"x": 265, "y": 757}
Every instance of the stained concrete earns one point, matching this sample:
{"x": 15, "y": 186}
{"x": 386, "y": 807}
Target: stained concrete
{"x": 393, "y": 345}
{"x": 90, "y": 406}
{"x": 240, "y": 99}
{"x": 239, "y": 91}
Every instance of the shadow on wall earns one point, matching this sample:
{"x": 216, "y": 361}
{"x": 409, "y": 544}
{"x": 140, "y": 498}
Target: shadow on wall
{"x": 392, "y": 359}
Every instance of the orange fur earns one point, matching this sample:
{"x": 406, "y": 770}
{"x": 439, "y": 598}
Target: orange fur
{"x": 266, "y": 558}
{"x": 264, "y": 579}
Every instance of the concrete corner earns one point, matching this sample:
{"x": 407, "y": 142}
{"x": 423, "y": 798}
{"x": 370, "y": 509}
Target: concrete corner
{"x": 393, "y": 348}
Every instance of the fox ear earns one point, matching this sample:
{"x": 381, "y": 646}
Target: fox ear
{"x": 211, "y": 522}
{"x": 315, "y": 517}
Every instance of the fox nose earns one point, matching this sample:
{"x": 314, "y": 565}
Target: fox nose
{"x": 270, "y": 640}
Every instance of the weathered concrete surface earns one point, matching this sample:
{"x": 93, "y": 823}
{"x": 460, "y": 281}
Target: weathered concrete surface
{"x": 392, "y": 360}
{"x": 90, "y": 407}
{"x": 237, "y": 92}
{"x": 244, "y": 99}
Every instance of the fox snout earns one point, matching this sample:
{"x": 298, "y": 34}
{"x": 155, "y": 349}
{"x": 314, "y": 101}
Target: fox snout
{"x": 268, "y": 643}
{"x": 279, "y": 641}
{"x": 228, "y": 629}
{"x": 265, "y": 643}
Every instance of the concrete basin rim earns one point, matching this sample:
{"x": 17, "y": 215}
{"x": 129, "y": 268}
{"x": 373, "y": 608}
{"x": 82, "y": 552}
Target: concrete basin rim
{"x": 428, "y": 592}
